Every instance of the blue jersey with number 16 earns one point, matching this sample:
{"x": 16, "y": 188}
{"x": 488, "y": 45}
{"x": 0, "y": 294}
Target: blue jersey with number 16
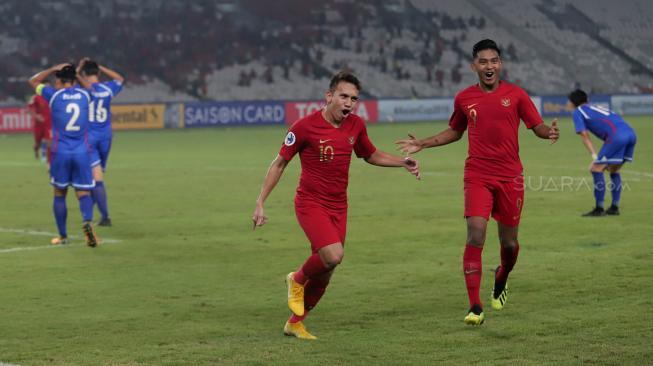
{"x": 69, "y": 108}
{"x": 602, "y": 122}
{"x": 100, "y": 112}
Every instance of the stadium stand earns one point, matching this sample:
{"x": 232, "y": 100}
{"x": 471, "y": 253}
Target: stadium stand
{"x": 246, "y": 50}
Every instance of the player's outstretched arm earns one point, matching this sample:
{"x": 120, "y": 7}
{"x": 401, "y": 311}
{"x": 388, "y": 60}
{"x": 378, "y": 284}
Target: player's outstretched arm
{"x": 549, "y": 133}
{"x": 380, "y": 158}
{"x": 413, "y": 145}
{"x": 271, "y": 179}
{"x": 38, "y": 78}
{"x": 112, "y": 74}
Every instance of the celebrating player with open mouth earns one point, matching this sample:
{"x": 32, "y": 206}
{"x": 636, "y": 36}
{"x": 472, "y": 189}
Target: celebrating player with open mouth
{"x": 324, "y": 140}
{"x": 493, "y": 182}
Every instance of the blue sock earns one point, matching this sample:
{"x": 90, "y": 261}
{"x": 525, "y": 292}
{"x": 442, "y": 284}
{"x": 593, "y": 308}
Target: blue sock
{"x": 100, "y": 198}
{"x": 599, "y": 188}
{"x": 60, "y": 214}
{"x": 44, "y": 150}
{"x": 615, "y": 188}
{"x": 86, "y": 206}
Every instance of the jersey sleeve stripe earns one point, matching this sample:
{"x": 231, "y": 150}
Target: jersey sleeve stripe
{"x": 54, "y": 96}
{"x": 580, "y": 109}
{"x": 107, "y": 88}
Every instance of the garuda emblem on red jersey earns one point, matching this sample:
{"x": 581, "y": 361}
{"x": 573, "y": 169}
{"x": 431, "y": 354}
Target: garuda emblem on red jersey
{"x": 351, "y": 140}
{"x": 505, "y": 102}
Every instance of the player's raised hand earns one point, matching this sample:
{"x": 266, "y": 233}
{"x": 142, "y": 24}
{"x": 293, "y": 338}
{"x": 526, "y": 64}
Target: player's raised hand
{"x": 259, "y": 218}
{"x": 81, "y": 63}
{"x": 411, "y": 145}
{"x": 412, "y": 166}
{"x": 554, "y": 132}
{"x": 60, "y": 66}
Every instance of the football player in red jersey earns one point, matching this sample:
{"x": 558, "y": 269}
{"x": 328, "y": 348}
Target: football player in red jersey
{"x": 493, "y": 181}
{"x": 39, "y": 109}
{"x": 324, "y": 140}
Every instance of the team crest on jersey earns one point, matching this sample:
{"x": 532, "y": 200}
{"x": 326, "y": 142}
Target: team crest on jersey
{"x": 505, "y": 102}
{"x": 290, "y": 139}
{"x": 351, "y": 140}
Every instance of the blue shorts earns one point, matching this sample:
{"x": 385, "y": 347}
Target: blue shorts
{"x": 618, "y": 149}
{"x": 100, "y": 149}
{"x": 71, "y": 169}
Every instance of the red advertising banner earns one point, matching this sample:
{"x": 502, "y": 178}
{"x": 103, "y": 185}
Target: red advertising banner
{"x": 367, "y": 110}
{"x": 15, "y": 119}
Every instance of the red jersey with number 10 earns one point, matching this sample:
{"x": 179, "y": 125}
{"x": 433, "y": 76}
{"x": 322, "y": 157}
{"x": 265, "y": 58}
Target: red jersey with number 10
{"x": 325, "y": 153}
{"x": 492, "y": 120}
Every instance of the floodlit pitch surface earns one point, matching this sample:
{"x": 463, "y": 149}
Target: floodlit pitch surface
{"x": 185, "y": 281}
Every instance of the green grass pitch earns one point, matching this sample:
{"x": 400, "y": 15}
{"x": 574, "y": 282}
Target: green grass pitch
{"x": 183, "y": 279}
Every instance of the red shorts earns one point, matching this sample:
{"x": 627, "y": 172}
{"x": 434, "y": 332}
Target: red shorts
{"x": 501, "y": 198}
{"x": 323, "y": 226}
{"x": 42, "y": 132}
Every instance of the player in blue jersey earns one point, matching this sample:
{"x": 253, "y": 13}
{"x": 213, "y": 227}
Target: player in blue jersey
{"x": 70, "y": 150}
{"x": 100, "y": 127}
{"x": 619, "y": 141}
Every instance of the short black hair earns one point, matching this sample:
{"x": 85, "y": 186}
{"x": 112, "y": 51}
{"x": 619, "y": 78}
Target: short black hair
{"x": 66, "y": 74}
{"x": 90, "y": 67}
{"x": 346, "y": 77}
{"x": 577, "y": 97}
{"x": 486, "y": 44}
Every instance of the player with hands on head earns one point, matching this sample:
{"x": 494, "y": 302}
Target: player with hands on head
{"x": 70, "y": 152}
{"x": 100, "y": 128}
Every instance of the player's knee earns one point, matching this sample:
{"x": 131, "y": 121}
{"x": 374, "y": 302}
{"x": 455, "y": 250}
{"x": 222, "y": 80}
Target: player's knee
{"x": 508, "y": 243}
{"x": 596, "y": 168}
{"x": 476, "y": 237}
{"x": 332, "y": 260}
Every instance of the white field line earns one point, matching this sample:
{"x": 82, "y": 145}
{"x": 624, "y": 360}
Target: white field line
{"x": 634, "y": 172}
{"x": 7, "y": 364}
{"x": 40, "y": 247}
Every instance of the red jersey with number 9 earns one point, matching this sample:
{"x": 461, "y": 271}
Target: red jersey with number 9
{"x": 492, "y": 120}
{"x": 325, "y": 153}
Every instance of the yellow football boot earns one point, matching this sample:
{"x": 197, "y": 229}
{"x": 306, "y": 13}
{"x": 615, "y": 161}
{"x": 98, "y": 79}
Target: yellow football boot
{"x": 297, "y": 330}
{"x": 475, "y": 316}
{"x": 59, "y": 240}
{"x": 500, "y": 301}
{"x": 295, "y": 295}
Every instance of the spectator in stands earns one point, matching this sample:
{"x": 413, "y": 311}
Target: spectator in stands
{"x": 439, "y": 77}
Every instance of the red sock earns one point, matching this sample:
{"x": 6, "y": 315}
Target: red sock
{"x": 508, "y": 260}
{"x": 473, "y": 270}
{"x": 294, "y": 318}
{"x": 313, "y": 267}
{"x": 299, "y": 276}
{"x": 313, "y": 292}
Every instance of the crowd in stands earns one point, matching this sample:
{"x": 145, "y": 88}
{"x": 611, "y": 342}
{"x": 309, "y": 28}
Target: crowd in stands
{"x": 287, "y": 49}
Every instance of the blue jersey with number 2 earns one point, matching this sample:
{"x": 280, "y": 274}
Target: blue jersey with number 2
{"x": 69, "y": 108}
